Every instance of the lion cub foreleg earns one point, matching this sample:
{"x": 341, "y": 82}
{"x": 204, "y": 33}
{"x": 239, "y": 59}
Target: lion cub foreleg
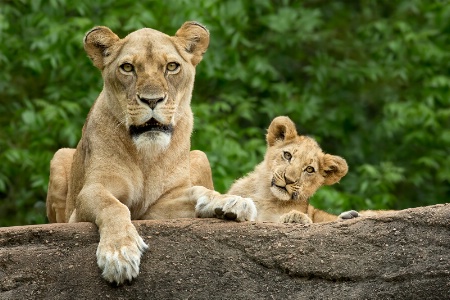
{"x": 120, "y": 248}
{"x": 211, "y": 204}
{"x": 320, "y": 216}
{"x": 295, "y": 216}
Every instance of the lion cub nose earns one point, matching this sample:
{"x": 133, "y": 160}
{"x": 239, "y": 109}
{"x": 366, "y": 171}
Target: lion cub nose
{"x": 151, "y": 102}
{"x": 288, "y": 180}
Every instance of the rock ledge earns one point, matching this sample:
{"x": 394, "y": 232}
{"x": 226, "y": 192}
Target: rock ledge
{"x": 403, "y": 255}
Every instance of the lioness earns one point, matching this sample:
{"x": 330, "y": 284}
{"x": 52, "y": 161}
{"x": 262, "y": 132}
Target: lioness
{"x": 294, "y": 168}
{"x": 133, "y": 160}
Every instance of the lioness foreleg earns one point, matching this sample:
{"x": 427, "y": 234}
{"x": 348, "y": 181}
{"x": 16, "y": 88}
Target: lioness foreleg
{"x": 200, "y": 169}
{"x": 120, "y": 247}
{"x": 211, "y": 204}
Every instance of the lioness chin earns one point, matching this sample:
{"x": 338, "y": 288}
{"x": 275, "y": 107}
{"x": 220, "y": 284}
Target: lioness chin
{"x": 134, "y": 160}
{"x": 293, "y": 169}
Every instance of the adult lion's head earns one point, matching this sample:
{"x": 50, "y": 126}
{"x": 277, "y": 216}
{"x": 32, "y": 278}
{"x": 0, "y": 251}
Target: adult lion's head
{"x": 148, "y": 78}
{"x": 299, "y": 166}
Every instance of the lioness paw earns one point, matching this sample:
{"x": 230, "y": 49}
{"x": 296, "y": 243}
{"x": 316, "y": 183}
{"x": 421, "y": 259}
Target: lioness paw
{"x": 226, "y": 207}
{"x": 346, "y": 215}
{"x": 296, "y": 217}
{"x": 119, "y": 257}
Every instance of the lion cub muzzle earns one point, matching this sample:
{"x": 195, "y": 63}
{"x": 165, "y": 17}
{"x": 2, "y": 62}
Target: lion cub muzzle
{"x": 279, "y": 188}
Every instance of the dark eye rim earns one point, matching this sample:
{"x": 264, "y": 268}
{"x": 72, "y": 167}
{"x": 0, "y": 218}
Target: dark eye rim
{"x": 287, "y": 155}
{"x": 177, "y": 66}
{"x": 310, "y": 169}
{"x": 122, "y": 66}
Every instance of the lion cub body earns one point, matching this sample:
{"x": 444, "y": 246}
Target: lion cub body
{"x": 294, "y": 168}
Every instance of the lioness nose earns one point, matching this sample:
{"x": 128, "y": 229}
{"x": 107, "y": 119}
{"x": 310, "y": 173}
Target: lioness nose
{"x": 151, "y": 102}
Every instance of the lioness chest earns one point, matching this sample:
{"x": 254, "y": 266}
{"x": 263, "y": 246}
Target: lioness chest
{"x": 137, "y": 180}
{"x": 144, "y": 183}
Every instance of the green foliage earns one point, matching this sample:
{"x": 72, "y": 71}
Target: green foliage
{"x": 369, "y": 79}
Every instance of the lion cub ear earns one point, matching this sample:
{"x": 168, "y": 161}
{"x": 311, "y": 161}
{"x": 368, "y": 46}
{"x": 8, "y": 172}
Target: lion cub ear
{"x": 281, "y": 129}
{"x": 333, "y": 168}
{"x": 193, "y": 37}
{"x": 97, "y": 41}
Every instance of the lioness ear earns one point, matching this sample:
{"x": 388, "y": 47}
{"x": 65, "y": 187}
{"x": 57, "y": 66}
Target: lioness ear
{"x": 97, "y": 41}
{"x": 193, "y": 37}
{"x": 333, "y": 168}
{"x": 281, "y": 129}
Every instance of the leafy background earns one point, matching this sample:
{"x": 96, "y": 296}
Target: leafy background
{"x": 369, "y": 79}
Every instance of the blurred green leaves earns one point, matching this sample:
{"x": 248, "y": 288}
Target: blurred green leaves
{"x": 368, "y": 79}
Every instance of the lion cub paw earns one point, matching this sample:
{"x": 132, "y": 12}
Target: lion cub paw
{"x": 346, "y": 215}
{"x": 296, "y": 217}
{"x": 119, "y": 255}
{"x": 226, "y": 207}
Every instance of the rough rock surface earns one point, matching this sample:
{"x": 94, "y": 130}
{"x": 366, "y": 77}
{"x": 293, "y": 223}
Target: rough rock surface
{"x": 403, "y": 255}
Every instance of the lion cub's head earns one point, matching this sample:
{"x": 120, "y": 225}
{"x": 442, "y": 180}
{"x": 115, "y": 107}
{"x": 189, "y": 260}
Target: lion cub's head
{"x": 149, "y": 77}
{"x": 299, "y": 166}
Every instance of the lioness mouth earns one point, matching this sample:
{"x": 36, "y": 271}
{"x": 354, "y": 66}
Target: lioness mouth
{"x": 150, "y": 125}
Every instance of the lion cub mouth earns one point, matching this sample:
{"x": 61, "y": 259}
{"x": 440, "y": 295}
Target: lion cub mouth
{"x": 279, "y": 191}
{"x": 150, "y": 125}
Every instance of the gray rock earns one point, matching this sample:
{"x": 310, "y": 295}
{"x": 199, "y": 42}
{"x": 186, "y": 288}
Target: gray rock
{"x": 402, "y": 255}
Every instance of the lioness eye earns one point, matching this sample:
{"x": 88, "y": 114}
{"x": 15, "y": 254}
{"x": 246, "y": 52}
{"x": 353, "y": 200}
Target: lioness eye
{"x": 172, "y": 66}
{"x": 127, "y": 67}
{"x": 310, "y": 169}
{"x": 287, "y": 155}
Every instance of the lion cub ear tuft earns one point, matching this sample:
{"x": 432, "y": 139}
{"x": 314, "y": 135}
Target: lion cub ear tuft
{"x": 281, "y": 129}
{"x": 193, "y": 37}
{"x": 333, "y": 168}
{"x": 97, "y": 41}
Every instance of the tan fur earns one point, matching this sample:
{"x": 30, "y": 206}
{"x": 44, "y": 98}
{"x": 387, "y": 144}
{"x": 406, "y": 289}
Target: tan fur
{"x": 281, "y": 185}
{"x": 120, "y": 169}
{"x": 60, "y": 169}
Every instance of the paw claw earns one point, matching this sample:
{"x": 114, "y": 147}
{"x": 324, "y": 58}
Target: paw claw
{"x": 230, "y": 216}
{"x": 218, "y": 211}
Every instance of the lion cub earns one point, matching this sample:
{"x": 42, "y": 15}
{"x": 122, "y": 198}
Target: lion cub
{"x": 294, "y": 168}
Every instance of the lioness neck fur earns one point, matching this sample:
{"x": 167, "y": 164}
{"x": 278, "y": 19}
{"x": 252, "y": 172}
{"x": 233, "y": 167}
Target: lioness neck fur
{"x": 293, "y": 169}
{"x": 133, "y": 160}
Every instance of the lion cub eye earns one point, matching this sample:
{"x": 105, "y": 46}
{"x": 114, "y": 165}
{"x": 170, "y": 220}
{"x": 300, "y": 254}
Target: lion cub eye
{"x": 309, "y": 169}
{"x": 127, "y": 67}
{"x": 287, "y": 155}
{"x": 172, "y": 66}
